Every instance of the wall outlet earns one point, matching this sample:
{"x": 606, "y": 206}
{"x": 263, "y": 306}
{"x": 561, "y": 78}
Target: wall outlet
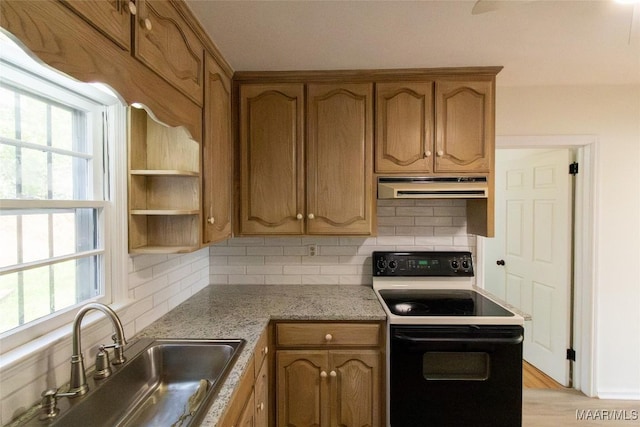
{"x": 313, "y": 249}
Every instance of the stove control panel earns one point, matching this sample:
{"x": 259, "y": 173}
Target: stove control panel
{"x": 438, "y": 264}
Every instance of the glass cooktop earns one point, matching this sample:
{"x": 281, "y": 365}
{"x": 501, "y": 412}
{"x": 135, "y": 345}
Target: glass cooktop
{"x": 437, "y": 302}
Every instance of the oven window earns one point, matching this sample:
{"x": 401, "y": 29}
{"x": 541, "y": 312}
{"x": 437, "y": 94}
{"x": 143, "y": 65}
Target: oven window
{"x": 455, "y": 366}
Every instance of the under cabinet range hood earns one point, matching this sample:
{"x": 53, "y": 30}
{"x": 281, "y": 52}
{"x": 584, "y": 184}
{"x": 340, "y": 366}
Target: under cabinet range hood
{"x": 468, "y": 187}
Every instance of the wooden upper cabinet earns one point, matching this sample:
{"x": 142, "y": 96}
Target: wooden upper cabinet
{"x": 339, "y": 158}
{"x": 111, "y": 17}
{"x": 165, "y": 42}
{"x": 465, "y": 126}
{"x": 271, "y": 159}
{"x": 217, "y": 155}
{"x": 404, "y": 127}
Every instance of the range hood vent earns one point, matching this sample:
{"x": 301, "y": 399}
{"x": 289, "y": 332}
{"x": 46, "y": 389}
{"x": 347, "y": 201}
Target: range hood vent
{"x": 468, "y": 187}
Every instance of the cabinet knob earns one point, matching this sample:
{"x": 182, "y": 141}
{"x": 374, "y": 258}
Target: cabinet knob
{"x": 333, "y": 374}
{"x": 211, "y": 220}
{"x": 299, "y": 216}
{"x": 146, "y": 24}
{"x": 311, "y": 216}
{"x": 440, "y": 153}
{"x": 328, "y": 337}
{"x": 260, "y": 407}
{"x": 427, "y": 153}
{"x": 132, "y": 8}
{"x": 265, "y": 350}
{"x": 323, "y": 374}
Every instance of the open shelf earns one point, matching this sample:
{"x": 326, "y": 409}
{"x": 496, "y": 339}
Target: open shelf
{"x": 166, "y": 212}
{"x": 167, "y": 172}
{"x": 164, "y": 187}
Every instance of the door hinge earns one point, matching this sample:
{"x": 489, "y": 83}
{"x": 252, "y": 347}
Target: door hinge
{"x": 571, "y": 354}
{"x": 573, "y": 168}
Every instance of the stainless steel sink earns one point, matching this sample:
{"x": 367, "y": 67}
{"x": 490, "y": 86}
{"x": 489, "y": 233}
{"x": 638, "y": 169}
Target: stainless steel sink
{"x": 164, "y": 382}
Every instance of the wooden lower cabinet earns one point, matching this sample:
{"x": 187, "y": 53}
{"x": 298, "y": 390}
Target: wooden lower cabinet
{"x": 328, "y": 388}
{"x": 329, "y": 374}
{"x": 261, "y": 397}
{"x": 249, "y": 406}
{"x": 247, "y": 416}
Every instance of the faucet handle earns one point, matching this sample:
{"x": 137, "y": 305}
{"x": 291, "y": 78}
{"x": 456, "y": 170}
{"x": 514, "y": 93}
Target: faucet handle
{"x": 103, "y": 370}
{"x": 118, "y": 353}
{"x": 114, "y": 337}
{"x": 49, "y": 404}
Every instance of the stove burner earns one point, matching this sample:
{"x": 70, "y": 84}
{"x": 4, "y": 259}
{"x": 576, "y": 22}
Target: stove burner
{"x": 437, "y": 305}
{"x": 410, "y": 308}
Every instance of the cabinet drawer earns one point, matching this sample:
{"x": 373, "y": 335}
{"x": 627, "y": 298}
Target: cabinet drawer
{"x": 261, "y": 351}
{"x": 327, "y": 334}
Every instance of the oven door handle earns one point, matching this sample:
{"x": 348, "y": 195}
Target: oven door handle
{"x": 480, "y": 340}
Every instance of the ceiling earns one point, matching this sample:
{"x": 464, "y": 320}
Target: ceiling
{"x": 537, "y": 42}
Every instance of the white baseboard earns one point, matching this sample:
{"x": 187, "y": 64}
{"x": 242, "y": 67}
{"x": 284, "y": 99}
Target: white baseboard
{"x": 619, "y": 395}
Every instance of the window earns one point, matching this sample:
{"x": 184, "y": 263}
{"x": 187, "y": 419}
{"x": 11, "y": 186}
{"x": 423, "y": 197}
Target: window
{"x": 55, "y": 138}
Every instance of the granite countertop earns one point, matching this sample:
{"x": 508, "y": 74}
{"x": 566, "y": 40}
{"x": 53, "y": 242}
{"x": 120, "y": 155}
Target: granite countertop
{"x": 244, "y": 311}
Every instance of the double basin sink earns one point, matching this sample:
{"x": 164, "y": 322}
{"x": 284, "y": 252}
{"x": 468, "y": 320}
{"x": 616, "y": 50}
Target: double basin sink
{"x": 164, "y": 382}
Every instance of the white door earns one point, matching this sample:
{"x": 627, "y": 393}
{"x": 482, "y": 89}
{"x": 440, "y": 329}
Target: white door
{"x": 528, "y": 263}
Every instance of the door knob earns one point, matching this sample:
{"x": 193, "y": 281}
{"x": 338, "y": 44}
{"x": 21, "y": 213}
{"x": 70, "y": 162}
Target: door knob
{"x": 132, "y": 8}
{"x": 500, "y": 262}
{"x": 146, "y": 24}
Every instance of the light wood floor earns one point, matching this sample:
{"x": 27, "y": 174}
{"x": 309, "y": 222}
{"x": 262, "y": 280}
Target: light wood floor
{"x": 562, "y": 408}
{"x": 534, "y": 378}
{"x": 547, "y": 404}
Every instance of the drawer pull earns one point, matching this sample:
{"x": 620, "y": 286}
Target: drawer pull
{"x": 328, "y": 337}
{"x": 333, "y": 374}
{"x": 323, "y": 374}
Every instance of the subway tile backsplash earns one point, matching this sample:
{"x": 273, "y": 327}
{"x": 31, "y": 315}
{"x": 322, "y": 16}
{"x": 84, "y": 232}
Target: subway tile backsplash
{"x": 402, "y": 225}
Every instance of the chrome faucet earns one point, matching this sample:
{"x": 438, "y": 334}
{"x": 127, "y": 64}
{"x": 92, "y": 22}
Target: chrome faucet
{"x": 78, "y": 383}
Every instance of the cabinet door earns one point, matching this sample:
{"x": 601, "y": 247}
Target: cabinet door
{"x": 165, "y": 43}
{"x": 301, "y": 388}
{"x": 262, "y": 396}
{"x": 465, "y": 126}
{"x": 247, "y": 418}
{"x": 404, "y": 127}
{"x": 112, "y": 18}
{"x": 271, "y": 165}
{"x": 216, "y": 155}
{"x": 355, "y": 388}
{"x": 339, "y": 159}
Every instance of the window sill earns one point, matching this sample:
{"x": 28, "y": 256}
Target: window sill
{"x": 29, "y": 351}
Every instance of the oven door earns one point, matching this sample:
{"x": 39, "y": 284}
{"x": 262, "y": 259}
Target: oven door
{"x": 462, "y": 375}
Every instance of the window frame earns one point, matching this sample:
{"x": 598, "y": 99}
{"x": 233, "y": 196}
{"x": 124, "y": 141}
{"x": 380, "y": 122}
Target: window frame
{"x": 109, "y": 199}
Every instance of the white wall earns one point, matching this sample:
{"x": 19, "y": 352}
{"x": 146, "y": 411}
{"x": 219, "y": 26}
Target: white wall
{"x": 156, "y": 284}
{"x": 612, "y": 113}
